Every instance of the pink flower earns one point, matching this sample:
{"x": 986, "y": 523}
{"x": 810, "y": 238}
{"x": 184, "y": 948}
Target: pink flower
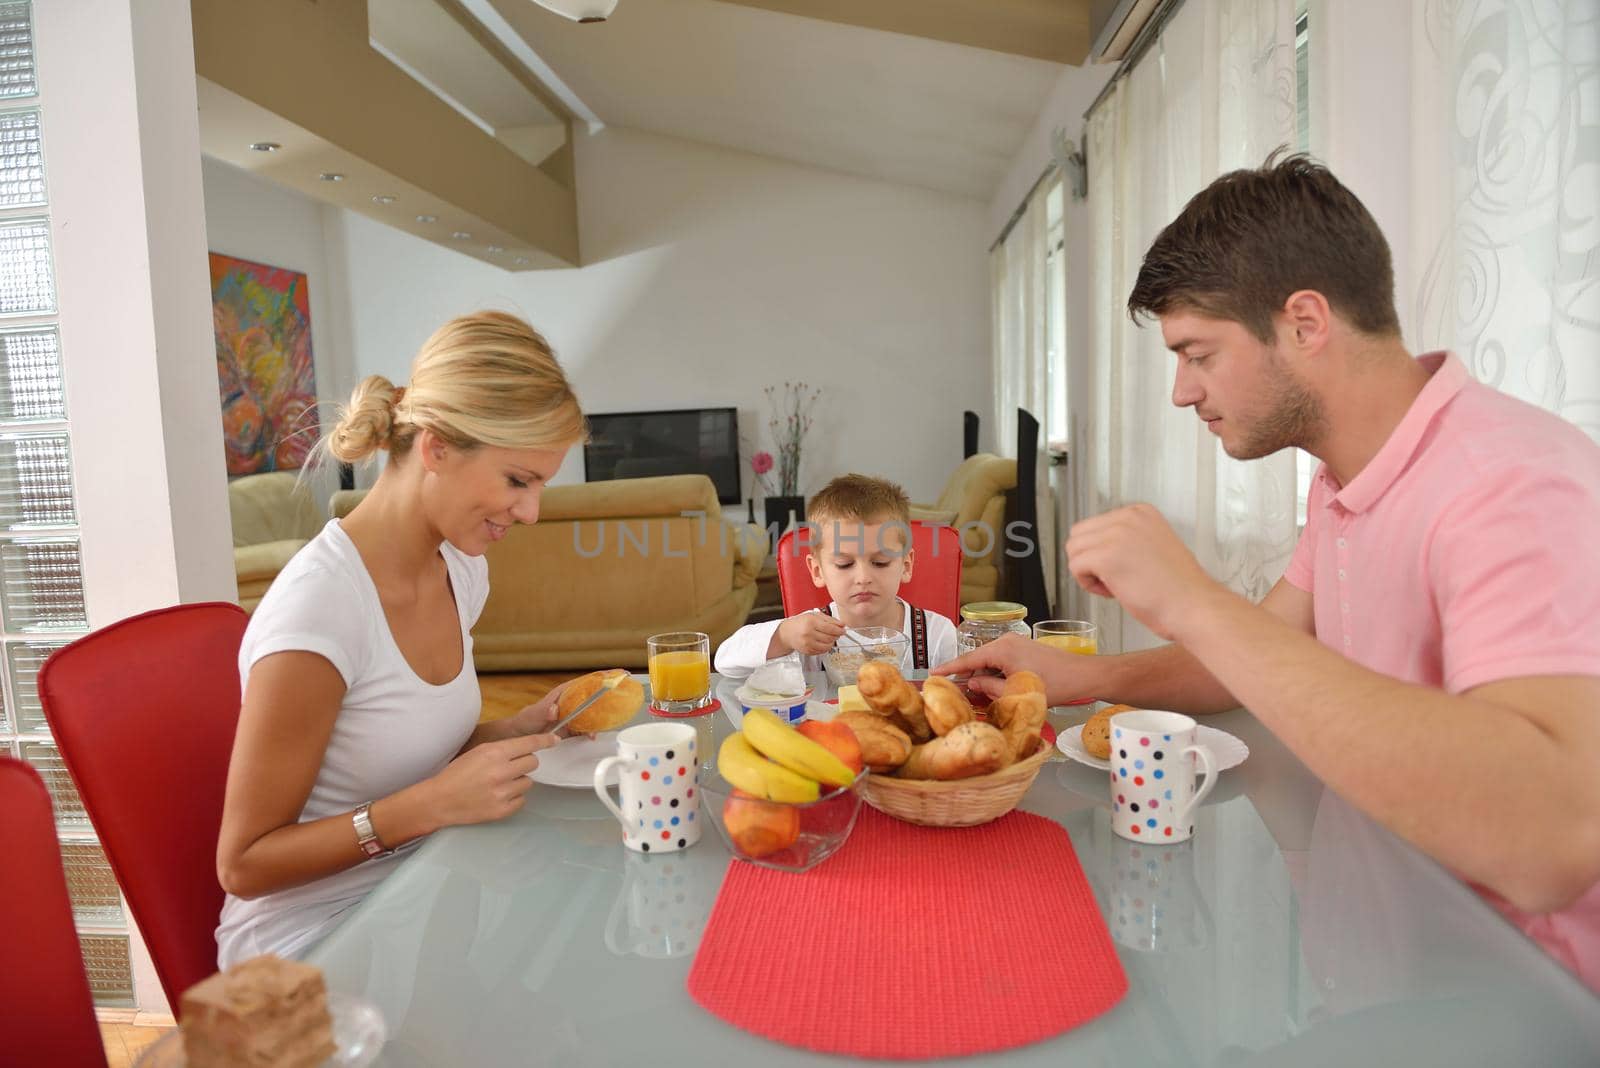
{"x": 761, "y": 463}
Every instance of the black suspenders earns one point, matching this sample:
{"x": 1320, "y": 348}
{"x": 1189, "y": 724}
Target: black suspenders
{"x": 919, "y": 637}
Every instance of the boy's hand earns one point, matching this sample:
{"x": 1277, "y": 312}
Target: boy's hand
{"x": 811, "y": 633}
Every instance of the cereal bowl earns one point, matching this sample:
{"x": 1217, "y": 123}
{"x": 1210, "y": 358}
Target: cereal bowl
{"x": 843, "y": 662}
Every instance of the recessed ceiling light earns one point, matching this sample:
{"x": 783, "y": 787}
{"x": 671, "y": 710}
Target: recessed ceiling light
{"x": 330, "y": 176}
{"x": 461, "y": 235}
{"x": 492, "y": 249}
{"x": 383, "y": 198}
{"x": 427, "y": 218}
{"x": 266, "y": 146}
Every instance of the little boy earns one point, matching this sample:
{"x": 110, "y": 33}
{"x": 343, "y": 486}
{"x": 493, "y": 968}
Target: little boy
{"x": 859, "y": 536}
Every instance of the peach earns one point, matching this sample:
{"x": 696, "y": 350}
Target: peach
{"x": 836, "y": 738}
{"x": 759, "y": 828}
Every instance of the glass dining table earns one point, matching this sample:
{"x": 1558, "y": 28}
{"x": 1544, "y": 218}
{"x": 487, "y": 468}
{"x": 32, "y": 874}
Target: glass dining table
{"x": 1292, "y": 930}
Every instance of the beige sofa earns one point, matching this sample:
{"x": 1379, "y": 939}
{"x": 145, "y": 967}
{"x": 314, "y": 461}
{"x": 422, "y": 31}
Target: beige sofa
{"x": 974, "y": 499}
{"x": 607, "y": 565}
{"x": 273, "y": 515}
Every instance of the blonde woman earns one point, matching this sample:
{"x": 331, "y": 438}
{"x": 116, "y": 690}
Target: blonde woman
{"x": 358, "y": 733}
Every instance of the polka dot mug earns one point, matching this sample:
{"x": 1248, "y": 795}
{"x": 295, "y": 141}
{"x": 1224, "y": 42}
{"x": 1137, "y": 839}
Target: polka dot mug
{"x": 658, "y": 783}
{"x": 1153, "y": 769}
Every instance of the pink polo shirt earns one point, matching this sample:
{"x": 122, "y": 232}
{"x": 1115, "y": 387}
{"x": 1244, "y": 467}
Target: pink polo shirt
{"x": 1464, "y": 552}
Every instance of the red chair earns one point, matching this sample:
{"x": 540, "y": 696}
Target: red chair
{"x": 935, "y": 584}
{"x": 48, "y": 1007}
{"x": 144, "y": 712}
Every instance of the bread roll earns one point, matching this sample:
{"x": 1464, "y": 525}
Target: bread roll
{"x": 610, "y": 711}
{"x": 1096, "y": 736}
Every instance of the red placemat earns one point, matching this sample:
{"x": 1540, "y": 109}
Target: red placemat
{"x": 913, "y": 942}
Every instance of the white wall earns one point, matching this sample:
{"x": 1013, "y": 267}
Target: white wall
{"x": 254, "y": 219}
{"x": 713, "y": 274}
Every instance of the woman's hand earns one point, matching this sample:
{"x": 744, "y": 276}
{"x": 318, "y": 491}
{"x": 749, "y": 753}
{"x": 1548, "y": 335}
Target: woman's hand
{"x": 533, "y": 718}
{"x": 487, "y": 782}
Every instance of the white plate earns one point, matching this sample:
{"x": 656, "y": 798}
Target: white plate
{"x": 358, "y": 1031}
{"x": 572, "y": 763}
{"x": 1229, "y": 751}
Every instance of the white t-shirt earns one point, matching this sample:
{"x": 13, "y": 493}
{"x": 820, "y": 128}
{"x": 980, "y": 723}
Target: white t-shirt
{"x": 393, "y": 729}
{"x": 746, "y": 649}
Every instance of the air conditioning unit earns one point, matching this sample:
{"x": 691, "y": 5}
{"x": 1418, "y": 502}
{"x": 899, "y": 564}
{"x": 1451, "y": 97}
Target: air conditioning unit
{"x": 1115, "y": 25}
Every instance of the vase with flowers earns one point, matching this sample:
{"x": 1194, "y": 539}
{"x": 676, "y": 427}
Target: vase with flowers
{"x": 791, "y": 406}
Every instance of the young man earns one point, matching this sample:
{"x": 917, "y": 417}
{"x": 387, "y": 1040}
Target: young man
{"x": 1433, "y": 651}
{"x": 858, "y": 529}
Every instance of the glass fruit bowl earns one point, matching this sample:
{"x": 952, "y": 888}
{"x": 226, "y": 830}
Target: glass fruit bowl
{"x": 781, "y": 835}
{"x": 843, "y": 662}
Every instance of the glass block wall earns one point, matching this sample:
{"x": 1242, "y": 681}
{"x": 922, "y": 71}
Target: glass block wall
{"x": 41, "y": 578}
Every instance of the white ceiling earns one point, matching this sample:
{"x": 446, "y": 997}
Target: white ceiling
{"x": 863, "y": 101}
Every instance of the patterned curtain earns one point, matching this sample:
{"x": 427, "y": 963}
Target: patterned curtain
{"x": 1506, "y": 194}
{"x": 1217, "y": 92}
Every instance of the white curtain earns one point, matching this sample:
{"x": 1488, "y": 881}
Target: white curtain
{"x": 1019, "y": 276}
{"x": 1215, "y": 93}
{"x": 1505, "y": 194}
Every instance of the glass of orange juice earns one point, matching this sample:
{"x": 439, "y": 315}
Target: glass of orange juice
{"x": 1068, "y": 635}
{"x": 680, "y": 671}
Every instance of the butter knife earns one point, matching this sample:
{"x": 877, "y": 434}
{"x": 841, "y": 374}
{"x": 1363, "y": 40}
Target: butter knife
{"x": 605, "y": 687}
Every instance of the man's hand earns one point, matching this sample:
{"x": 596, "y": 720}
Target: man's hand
{"x": 1067, "y": 676}
{"x": 1134, "y": 555}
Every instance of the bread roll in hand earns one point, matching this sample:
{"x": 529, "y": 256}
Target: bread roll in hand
{"x": 610, "y": 711}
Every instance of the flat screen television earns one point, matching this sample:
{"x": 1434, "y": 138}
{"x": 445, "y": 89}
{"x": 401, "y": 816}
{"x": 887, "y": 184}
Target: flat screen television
{"x": 690, "y": 441}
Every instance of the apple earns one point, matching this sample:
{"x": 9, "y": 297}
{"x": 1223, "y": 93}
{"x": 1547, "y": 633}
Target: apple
{"x": 759, "y": 828}
{"x": 837, "y": 738}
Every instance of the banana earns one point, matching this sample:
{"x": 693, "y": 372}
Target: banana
{"x": 753, "y": 773}
{"x": 781, "y": 743}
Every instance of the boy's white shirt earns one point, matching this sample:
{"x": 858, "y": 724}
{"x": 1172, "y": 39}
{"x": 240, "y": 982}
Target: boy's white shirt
{"x": 746, "y": 649}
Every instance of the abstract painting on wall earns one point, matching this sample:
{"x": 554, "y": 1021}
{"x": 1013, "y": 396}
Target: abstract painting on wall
{"x": 262, "y": 319}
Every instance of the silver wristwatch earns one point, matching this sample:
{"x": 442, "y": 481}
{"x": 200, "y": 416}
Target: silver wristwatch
{"x": 366, "y": 837}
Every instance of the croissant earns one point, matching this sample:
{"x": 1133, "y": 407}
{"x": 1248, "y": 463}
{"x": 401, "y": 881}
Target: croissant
{"x": 1023, "y": 682}
{"x": 1021, "y": 718}
{"x": 944, "y": 705}
{"x": 884, "y": 746}
{"x": 971, "y": 749}
{"x": 886, "y": 690}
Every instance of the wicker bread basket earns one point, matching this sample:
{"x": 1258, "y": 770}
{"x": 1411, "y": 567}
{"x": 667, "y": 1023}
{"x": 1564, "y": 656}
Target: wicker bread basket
{"x": 956, "y": 802}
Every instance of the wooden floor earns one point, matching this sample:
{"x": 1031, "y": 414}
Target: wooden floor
{"x": 124, "y": 1042}
{"x": 503, "y": 695}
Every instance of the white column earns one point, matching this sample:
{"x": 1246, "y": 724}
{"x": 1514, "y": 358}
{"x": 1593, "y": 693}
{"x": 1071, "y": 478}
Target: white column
{"x": 122, "y": 162}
